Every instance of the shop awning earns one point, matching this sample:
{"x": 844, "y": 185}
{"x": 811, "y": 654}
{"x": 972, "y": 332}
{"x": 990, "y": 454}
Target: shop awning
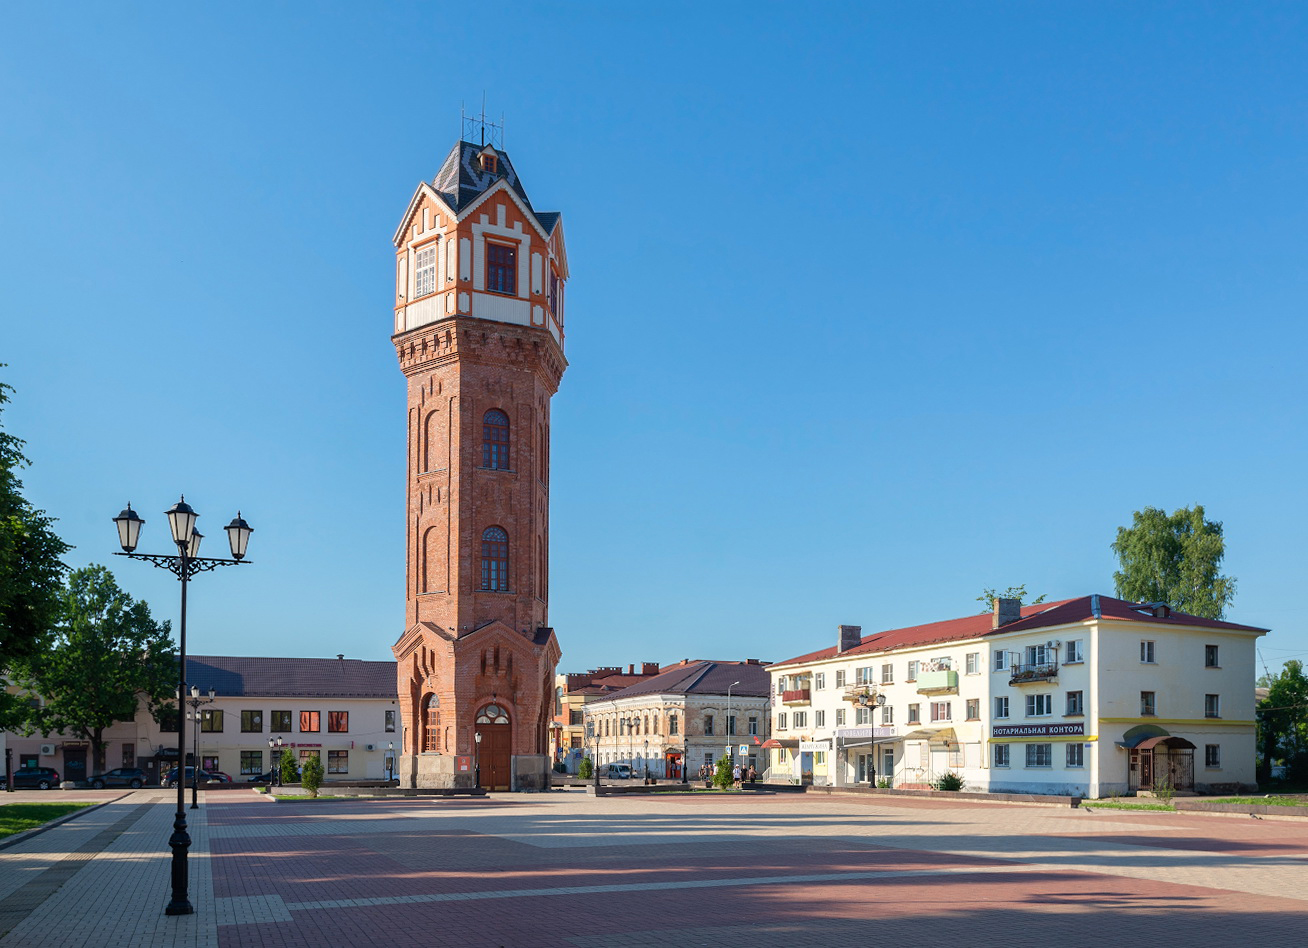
{"x": 788, "y": 743}
{"x": 1171, "y": 743}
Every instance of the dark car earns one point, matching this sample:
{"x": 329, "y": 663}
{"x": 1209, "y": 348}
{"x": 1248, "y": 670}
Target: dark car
{"x": 266, "y": 777}
{"x": 38, "y": 778}
{"x": 122, "y": 777}
{"x": 171, "y": 779}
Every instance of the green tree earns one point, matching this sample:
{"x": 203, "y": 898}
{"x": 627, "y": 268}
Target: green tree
{"x": 31, "y": 571}
{"x": 722, "y": 775}
{"x": 988, "y": 597}
{"x": 106, "y": 655}
{"x": 585, "y": 770}
{"x": 1174, "y": 559}
{"x": 290, "y": 773}
{"x": 1283, "y": 721}
{"x": 311, "y": 774}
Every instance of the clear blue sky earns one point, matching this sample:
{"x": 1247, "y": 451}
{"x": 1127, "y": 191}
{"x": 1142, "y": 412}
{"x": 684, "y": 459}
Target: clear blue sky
{"x": 872, "y": 305}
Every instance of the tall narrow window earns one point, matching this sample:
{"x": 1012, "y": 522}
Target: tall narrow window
{"x": 495, "y": 559}
{"x": 495, "y": 440}
{"x": 432, "y": 724}
{"x": 424, "y": 271}
{"x": 501, "y": 269}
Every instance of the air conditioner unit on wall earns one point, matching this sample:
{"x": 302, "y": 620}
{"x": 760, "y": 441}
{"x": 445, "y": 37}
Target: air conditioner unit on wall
{"x": 372, "y": 747}
{"x": 47, "y": 750}
{"x": 1053, "y": 643}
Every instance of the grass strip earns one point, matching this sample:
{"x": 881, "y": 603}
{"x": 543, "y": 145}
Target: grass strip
{"x": 20, "y": 817}
{"x": 1120, "y": 805}
{"x": 1266, "y": 801}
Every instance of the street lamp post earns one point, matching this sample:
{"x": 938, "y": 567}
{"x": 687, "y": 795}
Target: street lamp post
{"x": 184, "y": 564}
{"x": 645, "y": 761}
{"x": 390, "y": 761}
{"x": 872, "y": 757}
{"x": 592, "y": 738}
{"x": 731, "y": 757}
{"x": 195, "y": 702}
{"x": 476, "y": 758}
{"x": 275, "y": 761}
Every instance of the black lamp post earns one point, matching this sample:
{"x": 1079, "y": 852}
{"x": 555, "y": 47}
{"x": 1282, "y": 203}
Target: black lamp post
{"x": 731, "y": 751}
{"x": 390, "y": 761}
{"x": 274, "y": 760}
{"x": 592, "y": 737}
{"x": 476, "y": 759}
{"x": 184, "y": 564}
{"x": 195, "y": 702}
{"x": 645, "y": 761}
{"x": 879, "y": 701}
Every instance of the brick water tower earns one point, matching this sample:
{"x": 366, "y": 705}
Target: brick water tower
{"x": 479, "y": 277}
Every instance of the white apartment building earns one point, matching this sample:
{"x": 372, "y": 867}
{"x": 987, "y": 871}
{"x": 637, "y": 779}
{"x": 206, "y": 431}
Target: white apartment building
{"x": 1089, "y": 696}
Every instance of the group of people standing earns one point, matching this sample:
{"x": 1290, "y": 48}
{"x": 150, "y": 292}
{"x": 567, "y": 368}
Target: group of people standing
{"x": 738, "y": 774}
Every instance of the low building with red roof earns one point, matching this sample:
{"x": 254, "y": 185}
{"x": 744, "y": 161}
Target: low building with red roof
{"x": 1089, "y": 697}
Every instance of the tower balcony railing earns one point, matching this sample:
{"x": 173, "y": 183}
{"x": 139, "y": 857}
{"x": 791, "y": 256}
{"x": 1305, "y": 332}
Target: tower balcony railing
{"x": 1025, "y": 674}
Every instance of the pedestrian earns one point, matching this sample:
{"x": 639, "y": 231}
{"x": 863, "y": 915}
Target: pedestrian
{"x": 753, "y": 774}
{"x": 735, "y": 776}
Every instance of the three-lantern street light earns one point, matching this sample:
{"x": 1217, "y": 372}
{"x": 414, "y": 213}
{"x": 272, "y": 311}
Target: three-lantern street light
{"x": 275, "y": 757}
{"x": 196, "y": 701}
{"x": 879, "y": 701}
{"x": 184, "y": 564}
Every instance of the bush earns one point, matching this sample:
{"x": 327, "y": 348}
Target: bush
{"x": 948, "y": 781}
{"x": 586, "y": 770}
{"x": 290, "y": 773}
{"x": 722, "y": 776}
{"x": 560, "y": 767}
{"x": 311, "y": 776}
{"x": 883, "y": 783}
{"x": 1163, "y": 789}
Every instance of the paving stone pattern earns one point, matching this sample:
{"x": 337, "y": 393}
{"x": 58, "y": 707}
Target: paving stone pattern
{"x": 564, "y": 870}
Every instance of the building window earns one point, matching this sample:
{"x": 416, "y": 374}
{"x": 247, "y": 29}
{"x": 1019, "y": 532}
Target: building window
{"x": 1075, "y": 702}
{"x": 1210, "y": 658}
{"x": 211, "y": 721}
{"x": 819, "y": 719}
{"x": 338, "y": 722}
{"x": 280, "y": 721}
{"x": 840, "y": 717}
{"x": 941, "y": 711}
{"x": 495, "y": 559}
{"x": 338, "y": 762}
{"x": 1037, "y": 655}
{"x": 887, "y": 714}
{"x": 1147, "y": 706}
{"x": 554, "y": 293}
{"x": 912, "y": 671}
{"x": 887, "y": 674}
{"x": 1075, "y": 652}
{"x": 781, "y": 722}
{"x": 1001, "y": 661}
{"x": 731, "y": 724}
{"x": 1076, "y": 755}
{"x": 753, "y": 726}
{"x": 672, "y": 725}
{"x": 972, "y": 663}
{"x": 209, "y": 762}
{"x": 801, "y": 719}
{"x": 1038, "y": 706}
{"x": 1001, "y": 707}
{"x": 1147, "y": 652}
{"x": 914, "y": 714}
{"x": 1212, "y": 706}
{"x": 1040, "y": 755}
{"x": 501, "y": 269}
{"x": 708, "y": 723}
{"x": 819, "y": 681}
{"x": 251, "y": 762}
{"x": 129, "y": 755}
{"x": 1213, "y": 755}
{"x": 251, "y": 722}
{"x": 309, "y": 722}
{"x": 974, "y": 709}
{"x": 424, "y": 271}
{"x": 863, "y": 675}
{"x": 306, "y": 754}
{"x": 840, "y": 678}
{"x": 390, "y": 721}
{"x": 495, "y": 440}
{"x": 1000, "y": 755}
{"x": 862, "y": 716}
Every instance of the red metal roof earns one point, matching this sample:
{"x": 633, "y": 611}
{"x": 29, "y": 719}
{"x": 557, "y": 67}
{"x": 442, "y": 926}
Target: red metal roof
{"x": 1044, "y": 615}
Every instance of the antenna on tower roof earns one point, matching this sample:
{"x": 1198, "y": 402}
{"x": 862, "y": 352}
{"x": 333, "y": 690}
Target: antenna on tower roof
{"x": 478, "y": 128}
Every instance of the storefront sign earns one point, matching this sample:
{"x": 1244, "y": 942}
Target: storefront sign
{"x": 853, "y": 733}
{"x": 1038, "y": 730}
{"x": 806, "y": 746}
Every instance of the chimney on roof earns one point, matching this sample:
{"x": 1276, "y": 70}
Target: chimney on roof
{"x": 340, "y": 657}
{"x": 1006, "y": 611}
{"x": 650, "y": 668}
{"x": 631, "y": 669}
{"x": 850, "y": 636}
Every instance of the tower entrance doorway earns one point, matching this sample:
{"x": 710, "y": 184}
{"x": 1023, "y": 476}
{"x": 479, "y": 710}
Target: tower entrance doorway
{"x": 495, "y": 752}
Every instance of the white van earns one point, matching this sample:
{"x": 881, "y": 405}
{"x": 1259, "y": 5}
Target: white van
{"x": 618, "y": 772}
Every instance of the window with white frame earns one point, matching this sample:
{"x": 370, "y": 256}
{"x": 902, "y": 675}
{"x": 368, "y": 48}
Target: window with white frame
{"x": 753, "y": 725}
{"x": 840, "y": 717}
{"x": 1212, "y": 706}
{"x": 1076, "y": 755}
{"x": 819, "y": 719}
{"x": 1001, "y": 707}
{"x": 887, "y": 715}
{"x": 1038, "y": 706}
{"x": 912, "y": 670}
{"x": 862, "y": 716}
{"x": 1075, "y": 702}
{"x": 799, "y": 719}
{"x": 1075, "y": 652}
{"x": 424, "y": 271}
{"x": 840, "y": 678}
{"x": 1213, "y": 755}
{"x": 1040, "y": 755}
{"x": 1147, "y": 652}
{"x": 1037, "y": 655}
{"x": 1000, "y": 755}
{"x": 1210, "y": 657}
{"x": 914, "y": 714}
{"x": 863, "y": 675}
{"x": 1148, "y": 706}
{"x": 972, "y": 663}
{"x": 887, "y": 674}
{"x": 974, "y": 709}
{"x": 781, "y": 721}
{"x": 941, "y": 711}
{"x": 819, "y": 681}
{"x": 1001, "y": 661}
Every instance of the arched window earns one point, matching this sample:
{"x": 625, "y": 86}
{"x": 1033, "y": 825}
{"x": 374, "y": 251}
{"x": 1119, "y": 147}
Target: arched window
{"x": 495, "y": 559}
{"x": 432, "y": 729}
{"x": 495, "y": 440}
{"x": 493, "y": 714}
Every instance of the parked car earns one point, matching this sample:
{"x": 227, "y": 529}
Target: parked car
{"x": 170, "y": 780}
{"x": 122, "y": 777}
{"x": 36, "y": 778}
{"x": 220, "y": 775}
{"x": 618, "y": 771}
{"x": 265, "y": 777}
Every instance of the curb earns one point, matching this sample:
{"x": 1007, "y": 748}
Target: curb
{"x": 24, "y": 836}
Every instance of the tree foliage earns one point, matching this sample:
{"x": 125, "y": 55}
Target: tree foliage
{"x": 1174, "y": 559}
{"x": 585, "y": 770}
{"x": 290, "y": 773}
{"x": 31, "y": 571}
{"x": 988, "y": 597}
{"x": 311, "y": 774}
{"x": 722, "y": 774}
{"x": 1283, "y": 722}
{"x": 106, "y": 654}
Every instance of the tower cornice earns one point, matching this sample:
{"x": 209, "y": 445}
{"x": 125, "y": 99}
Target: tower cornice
{"x": 482, "y": 342}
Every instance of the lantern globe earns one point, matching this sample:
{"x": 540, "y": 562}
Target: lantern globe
{"x": 129, "y": 528}
{"x": 193, "y": 547}
{"x": 181, "y": 520}
{"x": 238, "y": 536}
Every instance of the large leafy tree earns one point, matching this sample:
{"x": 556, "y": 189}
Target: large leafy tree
{"x": 988, "y": 597}
{"x": 1174, "y": 558}
{"x": 1283, "y": 722}
{"x": 107, "y": 654}
{"x": 31, "y": 571}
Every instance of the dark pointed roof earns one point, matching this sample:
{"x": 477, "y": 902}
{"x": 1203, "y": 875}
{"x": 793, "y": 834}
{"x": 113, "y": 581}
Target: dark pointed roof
{"x": 1043, "y": 615}
{"x": 461, "y": 180}
{"x": 703, "y": 678}
{"x": 291, "y": 677}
